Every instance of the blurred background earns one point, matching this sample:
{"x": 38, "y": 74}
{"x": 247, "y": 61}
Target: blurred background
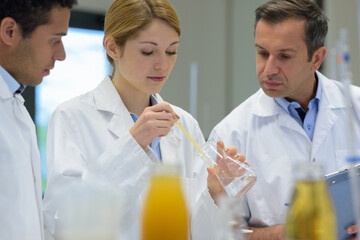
{"x": 215, "y": 69}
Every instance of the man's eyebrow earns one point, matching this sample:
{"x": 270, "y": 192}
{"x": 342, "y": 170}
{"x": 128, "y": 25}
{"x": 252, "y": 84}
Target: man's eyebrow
{"x": 281, "y": 50}
{"x": 287, "y": 50}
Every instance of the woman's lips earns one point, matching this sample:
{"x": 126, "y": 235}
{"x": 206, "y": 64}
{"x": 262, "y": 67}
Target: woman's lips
{"x": 157, "y": 79}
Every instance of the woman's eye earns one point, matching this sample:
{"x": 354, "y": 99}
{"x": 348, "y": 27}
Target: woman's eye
{"x": 171, "y": 53}
{"x": 264, "y": 54}
{"x": 146, "y": 53}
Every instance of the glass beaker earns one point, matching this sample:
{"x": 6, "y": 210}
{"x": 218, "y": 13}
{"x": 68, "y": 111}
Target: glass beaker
{"x": 235, "y": 177}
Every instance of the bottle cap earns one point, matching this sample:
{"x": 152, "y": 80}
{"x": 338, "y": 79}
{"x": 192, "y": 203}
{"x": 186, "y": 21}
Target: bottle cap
{"x": 167, "y": 169}
{"x": 308, "y": 171}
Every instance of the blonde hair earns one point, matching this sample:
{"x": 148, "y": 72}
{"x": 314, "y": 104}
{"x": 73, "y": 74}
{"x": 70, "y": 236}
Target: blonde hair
{"x": 125, "y": 18}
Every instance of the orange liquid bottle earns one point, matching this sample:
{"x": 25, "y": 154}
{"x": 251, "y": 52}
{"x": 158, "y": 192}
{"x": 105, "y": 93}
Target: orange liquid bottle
{"x": 165, "y": 215}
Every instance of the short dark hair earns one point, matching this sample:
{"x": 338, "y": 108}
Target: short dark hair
{"x": 30, "y": 14}
{"x": 316, "y": 26}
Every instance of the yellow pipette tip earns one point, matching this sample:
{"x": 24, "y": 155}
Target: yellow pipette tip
{"x": 193, "y": 142}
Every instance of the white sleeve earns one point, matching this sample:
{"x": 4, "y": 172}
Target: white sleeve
{"x": 123, "y": 162}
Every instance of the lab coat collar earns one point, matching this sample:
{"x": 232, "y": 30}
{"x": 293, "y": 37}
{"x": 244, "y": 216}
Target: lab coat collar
{"x": 158, "y": 98}
{"x": 265, "y": 106}
{"x": 330, "y": 98}
{"x": 13, "y": 85}
{"x": 5, "y": 92}
{"x": 108, "y": 99}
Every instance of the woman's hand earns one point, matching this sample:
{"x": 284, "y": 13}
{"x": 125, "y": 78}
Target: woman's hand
{"x": 155, "y": 121}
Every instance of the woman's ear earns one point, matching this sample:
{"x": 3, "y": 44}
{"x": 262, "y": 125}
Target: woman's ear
{"x": 112, "y": 49}
{"x": 317, "y": 58}
{"x": 10, "y": 31}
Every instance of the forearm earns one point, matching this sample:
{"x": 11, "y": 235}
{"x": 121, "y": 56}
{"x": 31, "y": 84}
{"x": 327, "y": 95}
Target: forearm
{"x": 274, "y": 233}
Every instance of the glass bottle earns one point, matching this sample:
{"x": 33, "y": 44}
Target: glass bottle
{"x": 311, "y": 214}
{"x": 165, "y": 214}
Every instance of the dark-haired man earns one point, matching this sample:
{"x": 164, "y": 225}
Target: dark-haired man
{"x": 30, "y": 43}
{"x": 298, "y": 115}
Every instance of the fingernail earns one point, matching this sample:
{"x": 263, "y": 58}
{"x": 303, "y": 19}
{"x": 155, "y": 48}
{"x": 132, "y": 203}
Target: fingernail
{"x": 349, "y": 230}
{"x": 353, "y": 229}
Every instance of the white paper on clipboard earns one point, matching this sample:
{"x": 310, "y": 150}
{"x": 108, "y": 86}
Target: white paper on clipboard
{"x": 340, "y": 190}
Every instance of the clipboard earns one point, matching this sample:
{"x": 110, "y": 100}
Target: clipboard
{"x": 339, "y": 187}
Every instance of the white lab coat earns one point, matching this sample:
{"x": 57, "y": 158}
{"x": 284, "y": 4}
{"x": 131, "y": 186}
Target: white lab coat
{"x": 20, "y": 171}
{"x": 273, "y": 141}
{"x": 92, "y": 132}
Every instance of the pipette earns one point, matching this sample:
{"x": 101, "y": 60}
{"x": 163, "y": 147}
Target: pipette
{"x": 193, "y": 142}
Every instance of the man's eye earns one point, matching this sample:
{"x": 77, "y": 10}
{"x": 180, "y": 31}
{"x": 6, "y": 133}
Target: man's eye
{"x": 55, "y": 42}
{"x": 285, "y": 56}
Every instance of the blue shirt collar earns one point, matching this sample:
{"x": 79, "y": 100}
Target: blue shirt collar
{"x": 153, "y": 101}
{"x": 307, "y": 119}
{"x": 284, "y": 104}
{"x": 11, "y": 82}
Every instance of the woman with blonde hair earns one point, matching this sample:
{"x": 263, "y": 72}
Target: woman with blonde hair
{"x": 123, "y": 128}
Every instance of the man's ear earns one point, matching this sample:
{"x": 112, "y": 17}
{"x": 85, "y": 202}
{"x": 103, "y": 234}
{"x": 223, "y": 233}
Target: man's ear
{"x": 317, "y": 58}
{"x": 112, "y": 49}
{"x": 10, "y": 31}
